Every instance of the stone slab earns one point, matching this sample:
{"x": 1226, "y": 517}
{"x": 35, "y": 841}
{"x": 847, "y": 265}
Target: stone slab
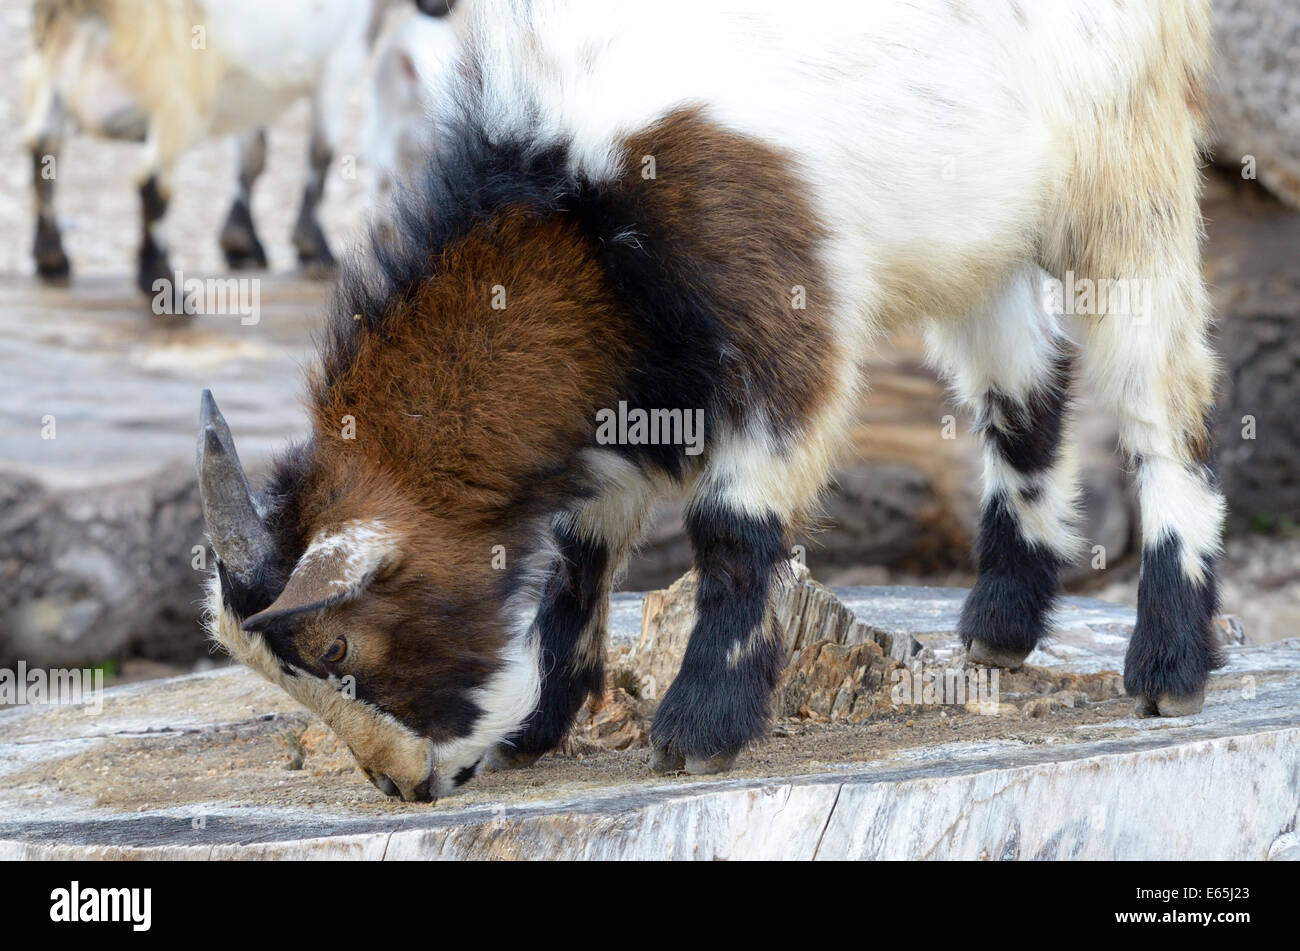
{"x": 1224, "y": 784}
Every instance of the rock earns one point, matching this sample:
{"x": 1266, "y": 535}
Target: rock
{"x": 86, "y": 577}
{"x": 614, "y": 721}
{"x": 1255, "y": 98}
{"x": 99, "y": 515}
{"x": 832, "y": 682}
{"x": 1255, "y": 280}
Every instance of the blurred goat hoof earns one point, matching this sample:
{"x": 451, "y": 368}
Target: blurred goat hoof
{"x": 314, "y": 254}
{"x": 1169, "y": 706}
{"x": 985, "y": 654}
{"x": 52, "y": 265}
{"x": 667, "y": 761}
{"x": 708, "y": 765}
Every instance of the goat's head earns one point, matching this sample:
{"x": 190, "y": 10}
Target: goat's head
{"x": 339, "y": 588}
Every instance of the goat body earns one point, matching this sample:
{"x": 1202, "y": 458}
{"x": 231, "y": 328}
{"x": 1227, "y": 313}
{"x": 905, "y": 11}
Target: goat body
{"x": 718, "y": 207}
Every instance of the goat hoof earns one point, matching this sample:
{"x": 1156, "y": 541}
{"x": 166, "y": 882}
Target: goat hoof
{"x": 708, "y": 765}
{"x": 239, "y": 242}
{"x": 314, "y": 255}
{"x": 246, "y": 262}
{"x": 1169, "y": 706}
{"x": 985, "y": 654}
{"x": 155, "y": 268}
{"x": 507, "y": 757}
{"x": 244, "y": 256}
{"x": 667, "y": 761}
{"x": 52, "y": 268}
{"x": 51, "y": 263}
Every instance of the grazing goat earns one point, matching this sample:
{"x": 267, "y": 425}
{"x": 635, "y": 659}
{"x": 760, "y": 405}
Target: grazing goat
{"x": 719, "y": 205}
{"x": 176, "y": 71}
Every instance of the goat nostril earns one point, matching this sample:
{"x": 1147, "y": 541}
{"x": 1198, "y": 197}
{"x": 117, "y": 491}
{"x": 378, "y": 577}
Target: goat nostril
{"x": 424, "y": 791}
{"x": 387, "y": 786}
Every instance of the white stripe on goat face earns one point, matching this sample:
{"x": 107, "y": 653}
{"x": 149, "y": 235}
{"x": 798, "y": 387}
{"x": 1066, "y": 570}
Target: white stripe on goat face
{"x": 336, "y": 568}
{"x": 382, "y": 746}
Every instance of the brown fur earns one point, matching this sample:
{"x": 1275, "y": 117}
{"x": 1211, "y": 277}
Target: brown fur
{"x": 467, "y": 407}
{"x": 453, "y": 426}
{"x": 738, "y": 206}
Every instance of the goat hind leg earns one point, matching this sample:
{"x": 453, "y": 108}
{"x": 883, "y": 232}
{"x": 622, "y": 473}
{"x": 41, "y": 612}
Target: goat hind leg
{"x": 308, "y": 237}
{"x": 154, "y": 266}
{"x": 1013, "y": 365}
{"x": 1155, "y": 372}
{"x": 239, "y": 242}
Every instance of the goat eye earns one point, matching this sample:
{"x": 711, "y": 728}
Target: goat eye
{"x": 336, "y": 652}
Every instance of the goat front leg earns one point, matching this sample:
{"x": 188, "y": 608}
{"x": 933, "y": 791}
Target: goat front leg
{"x": 344, "y": 65}
{"x": 44, "y": 143}
{"x": 720, "y": 700}
{"x": 154, "y": 274}
{"x": 308, "y": 237}
{"x": 573, "y": 616}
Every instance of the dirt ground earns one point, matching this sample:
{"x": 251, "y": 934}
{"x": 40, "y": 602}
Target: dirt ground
{"x": 288, "y": 758}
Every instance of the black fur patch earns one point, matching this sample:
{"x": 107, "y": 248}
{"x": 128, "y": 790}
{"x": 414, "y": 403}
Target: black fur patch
{"x": 465, "y": 774}
{"x": 1173, "y": 648}
{"x": 570, "y": 599}
{"x": 153, "y": 204}
{"x": 714, "y": 708}
{"x": 1009, "y": 606}
{"x": 1028, "y": 435}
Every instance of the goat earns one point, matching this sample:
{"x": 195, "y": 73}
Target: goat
{"x": 173, "y": 72}
{"x": 714, "y": 205}
{"x": 406, "y": 85}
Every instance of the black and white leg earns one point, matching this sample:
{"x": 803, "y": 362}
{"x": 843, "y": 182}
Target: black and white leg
{"x": 154, "y": 266}
{"x": 1156, "y": 374}
{"x": 45, "y": 142}
{"x": 239, "y": 242}
{"x": 593, "y": 543}
{"x": 1012, "y": 364}
{"x": 720, "y": 700}
{"x": 308, "y": 237}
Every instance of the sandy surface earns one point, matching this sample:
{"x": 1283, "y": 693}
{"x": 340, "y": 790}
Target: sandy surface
{"x": 276, "y": 754}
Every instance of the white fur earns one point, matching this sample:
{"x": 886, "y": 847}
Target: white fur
{"x": 938, "y": 141}
{"x": 1010, "y": 346}
{"x": 409, "y": 81}
{"x": 355, "y": 552}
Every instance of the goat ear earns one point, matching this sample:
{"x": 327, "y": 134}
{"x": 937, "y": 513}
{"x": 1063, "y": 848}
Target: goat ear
{"x": 336, "y": 567}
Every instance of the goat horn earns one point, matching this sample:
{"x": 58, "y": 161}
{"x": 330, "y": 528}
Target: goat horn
{"x": 238, "y": 535}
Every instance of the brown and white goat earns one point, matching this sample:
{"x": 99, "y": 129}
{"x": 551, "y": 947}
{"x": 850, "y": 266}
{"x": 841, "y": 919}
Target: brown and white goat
{"x": 718, "y": 206}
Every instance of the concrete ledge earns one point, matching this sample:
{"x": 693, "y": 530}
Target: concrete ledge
{"x": 203, "y": 767}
